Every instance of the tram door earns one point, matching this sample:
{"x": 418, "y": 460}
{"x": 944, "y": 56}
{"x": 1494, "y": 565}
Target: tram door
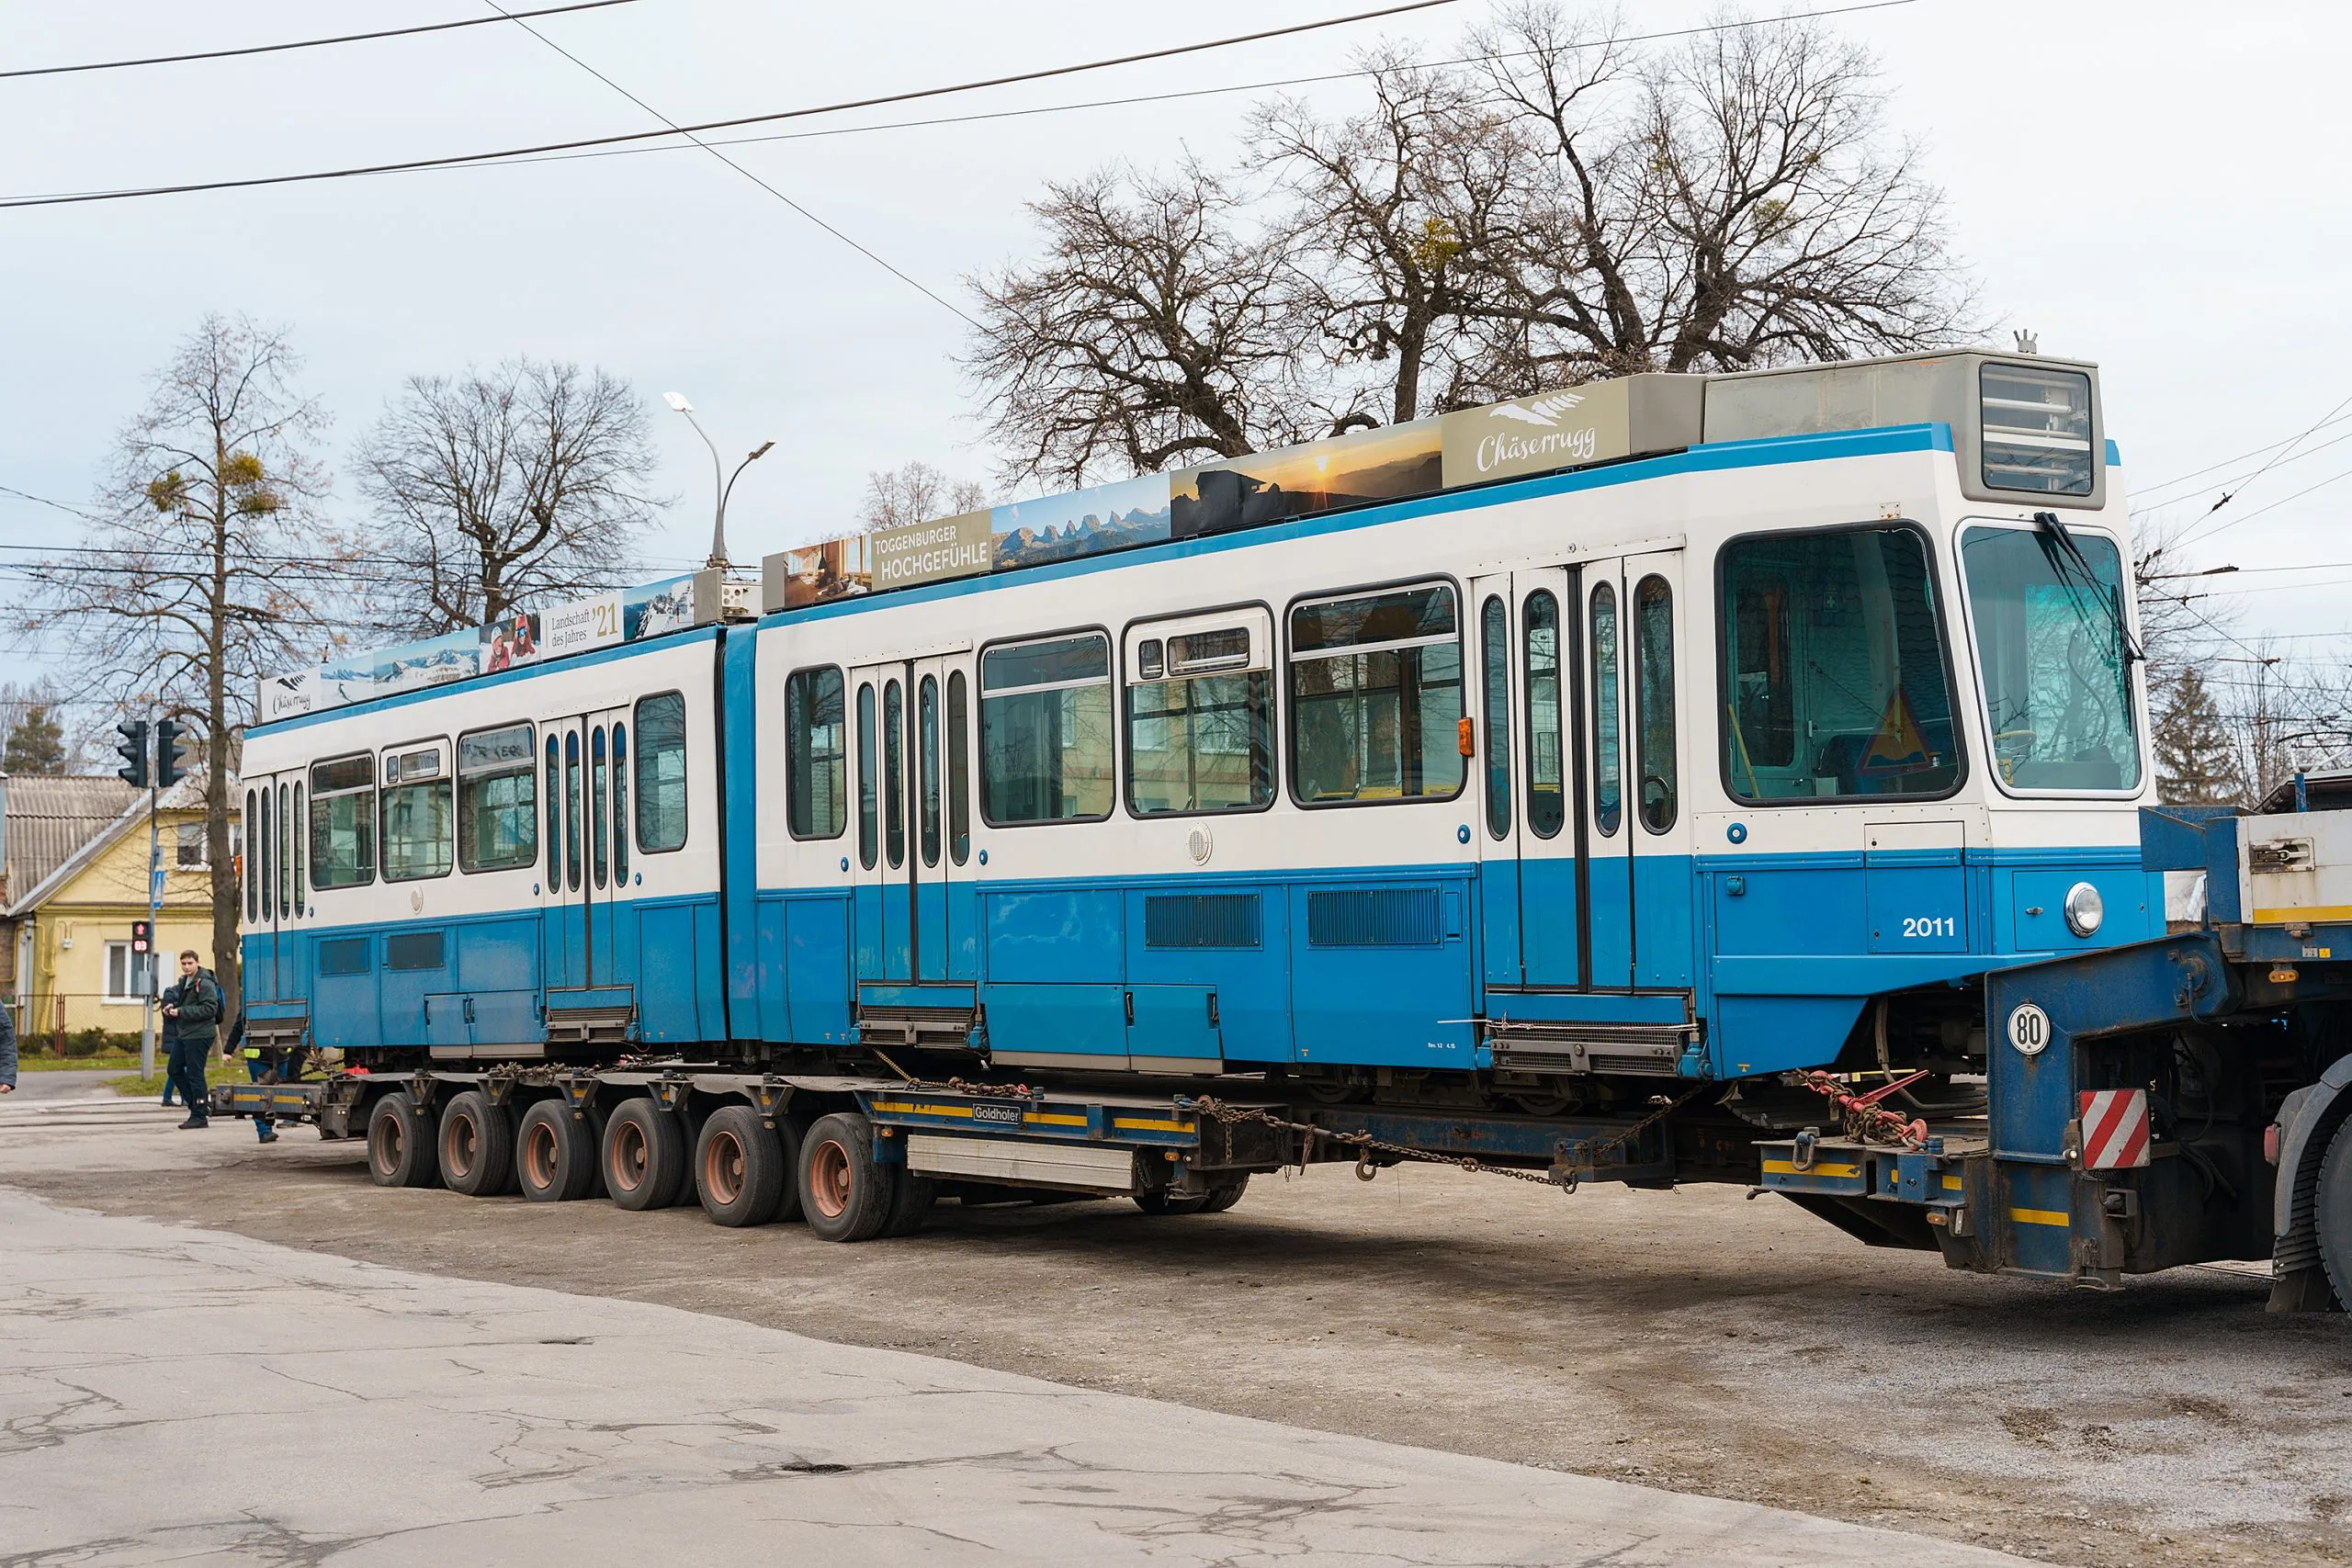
{"x": 586, "y": 790}
{"x": 1530, "y": 905}
{"x": 911, "y": 733}
{"x": 1639, "y": 876}
{"x": 275, "y": 890}
{"x": 884, "y": 906}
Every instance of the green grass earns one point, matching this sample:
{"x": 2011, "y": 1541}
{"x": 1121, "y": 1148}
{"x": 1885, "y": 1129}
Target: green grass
{"x": 39, "y": 1061}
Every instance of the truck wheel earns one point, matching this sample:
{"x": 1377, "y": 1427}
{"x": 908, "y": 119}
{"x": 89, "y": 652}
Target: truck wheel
{"x": 1225, "y": 1197}
{"x": 477, "y": 1145}
{"x": 555, "y": 1153}
{"x": 644, "y": 1155}
{"x": 844, "y": 1195}
{"x": 1171, "y": 1202}
{"x": 910, "y": 1204}
{"x": 740, "y": 1169}
{"x": 400, "y": 1143}
{"x": 2334, "y": 1213}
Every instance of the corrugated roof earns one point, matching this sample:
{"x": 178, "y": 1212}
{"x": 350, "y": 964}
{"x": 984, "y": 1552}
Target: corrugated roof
{"x": 52, "y": 816}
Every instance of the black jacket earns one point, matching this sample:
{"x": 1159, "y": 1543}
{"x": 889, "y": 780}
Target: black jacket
{"x": 198, "y": 1000}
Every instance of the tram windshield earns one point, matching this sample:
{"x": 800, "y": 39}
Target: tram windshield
{"x": 1835, "y": 683}
{"x": 2048, "y": 608}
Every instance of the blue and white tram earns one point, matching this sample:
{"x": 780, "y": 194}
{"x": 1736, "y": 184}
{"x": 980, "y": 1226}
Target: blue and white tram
{"x": 1729, "y": 759}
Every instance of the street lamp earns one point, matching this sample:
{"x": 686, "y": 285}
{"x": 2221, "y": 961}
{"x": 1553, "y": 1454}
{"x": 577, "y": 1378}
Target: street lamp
{"x": 723, "y": 485}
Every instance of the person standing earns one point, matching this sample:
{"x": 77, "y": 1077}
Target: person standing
{"x": 191, "y": 1011}
{"x": 259, "y": 1069}
{"x": 7, "y": 1052}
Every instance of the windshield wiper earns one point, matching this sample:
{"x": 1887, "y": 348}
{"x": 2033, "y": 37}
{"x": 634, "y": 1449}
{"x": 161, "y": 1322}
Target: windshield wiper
{"x": 2066, "y": 559}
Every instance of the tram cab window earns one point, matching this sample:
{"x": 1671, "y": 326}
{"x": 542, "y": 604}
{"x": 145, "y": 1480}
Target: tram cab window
{"x": 816, "y": 746}
{"x": 1375, "y": 687}
{"x": 2048, "y": 612}
{"x": 1045, "y": 730}
{"x": 343, "y": 824}
{"x": 1834, "y": 677}
{"x": 416, "y": 813}
{"x": 498, "y": 804}
{"x": 660, "y": 773}
{"x": 1201, "y": 714}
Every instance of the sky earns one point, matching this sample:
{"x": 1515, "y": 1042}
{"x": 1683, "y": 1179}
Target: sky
{"x": 2155, "y": 186}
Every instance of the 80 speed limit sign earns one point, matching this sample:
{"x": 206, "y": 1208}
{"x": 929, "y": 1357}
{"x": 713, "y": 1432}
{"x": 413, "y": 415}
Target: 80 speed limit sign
{"x": 2028, "y": 1029}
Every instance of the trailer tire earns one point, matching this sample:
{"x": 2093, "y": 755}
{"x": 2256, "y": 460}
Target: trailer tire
{"x": 477, "y": 1145}
{"x": 644, "y": 1156}
{"x": 844, "y": 1194}
{"x": 1225, "y": 1197}
{"x": 1172, "y": 1203}
{"x": 401, "y": 1142}
{"x": 740, "y": 1170}
{"x": 2332, "y": 1213}
{"x": 555, "y": 1153}
{"x": 911, "y": 1202}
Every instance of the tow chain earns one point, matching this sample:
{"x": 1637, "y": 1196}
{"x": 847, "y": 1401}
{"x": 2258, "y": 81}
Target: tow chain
{"x": 1562, "y": 1173}
{"x": 1866, "y": 1120}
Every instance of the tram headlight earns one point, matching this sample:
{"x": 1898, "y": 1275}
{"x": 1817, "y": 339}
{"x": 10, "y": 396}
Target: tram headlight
{"x": 2084, "y": 910}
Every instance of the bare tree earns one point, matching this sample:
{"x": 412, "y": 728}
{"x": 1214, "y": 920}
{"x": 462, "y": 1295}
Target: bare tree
{"x": 915, "y": 492}
{"x": 1154, "y": 332}
{"x": 1395, "y": 213}
{"x": 527, "y": 481}
{"x": 1567, "y": 207}
{"x": 202, "y": 569}
{"x": 1733, "y": 203}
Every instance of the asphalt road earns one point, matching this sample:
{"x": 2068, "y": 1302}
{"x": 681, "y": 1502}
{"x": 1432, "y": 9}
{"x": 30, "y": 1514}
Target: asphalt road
{"x": 1687, "y": 1341}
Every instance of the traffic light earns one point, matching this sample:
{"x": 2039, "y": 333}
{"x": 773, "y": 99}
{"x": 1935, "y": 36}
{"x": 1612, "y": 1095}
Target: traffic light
{"x": 142, "y": 938}
{"x": 170, "y": 753}
{"x": 133, "y": 748}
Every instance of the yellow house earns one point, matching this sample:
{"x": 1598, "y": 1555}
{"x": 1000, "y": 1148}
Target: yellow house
{"x": 77, "y": 859}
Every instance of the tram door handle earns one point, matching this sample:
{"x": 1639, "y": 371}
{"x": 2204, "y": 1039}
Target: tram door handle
{"x": 1131, "y": 1010}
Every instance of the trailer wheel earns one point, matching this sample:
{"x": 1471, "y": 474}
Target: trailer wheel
{"x": 477, "y": 1145}
{"x": 844, "y": 1195}
{"x": 1225, "y": 1197}
{"x": 2334, "y": 1213}
{"x": 400, "y": 1143}
{"x": 740, "y": 1170}
{"x": 910, "y": 1202}
{"x": 644, "y": 1155}
{"x": 555, "y": 1153}
{"x": 1172, "y": 1202}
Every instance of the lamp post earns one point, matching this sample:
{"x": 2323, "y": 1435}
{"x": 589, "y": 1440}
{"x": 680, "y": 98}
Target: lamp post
{"x": 723, "y": 485}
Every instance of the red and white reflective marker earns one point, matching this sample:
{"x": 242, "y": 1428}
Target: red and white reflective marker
{"x": 2115, "y": 1128}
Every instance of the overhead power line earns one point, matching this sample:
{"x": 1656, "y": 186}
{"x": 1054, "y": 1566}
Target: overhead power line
{"x": 2198, "y": 532}
{"x": 304, "y": 43}
{"x": 456, "y": 159}
{"x": 1183, "y": 93}
{"x": 921, "y": 289}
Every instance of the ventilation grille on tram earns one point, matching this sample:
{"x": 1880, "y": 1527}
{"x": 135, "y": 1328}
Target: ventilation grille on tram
{"x": 1200, "y": 920}
{"x": 1383, "y": 917}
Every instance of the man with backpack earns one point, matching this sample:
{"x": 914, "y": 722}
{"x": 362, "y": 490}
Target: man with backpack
{"x": 191, "y": 1014}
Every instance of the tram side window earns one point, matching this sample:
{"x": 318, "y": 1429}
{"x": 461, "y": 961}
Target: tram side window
{"x": 252, "y": 874}
{"x": 416, "y": 814}
{"x": 816, "y": 755}
{"x": 343, "y": 823}
{"x": 1375, "y": 682}
{"x": 959, "y": 782}
{"x": 1200, "y": 722}
{"x": 1653, "y": 702}
{"x": 1608, "y": 743}
{"x": 1046, "y": 731}
{"x": 1547, "y": 800}
{"x": 498, "y": 800}
{"x": 660, "y": 773}
{"x": 1834, "y": 677}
